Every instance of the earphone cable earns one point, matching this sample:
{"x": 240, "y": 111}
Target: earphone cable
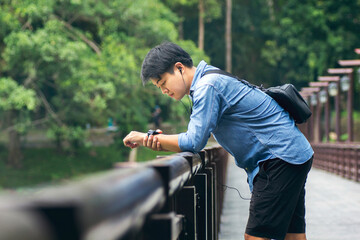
{"x": 190, "y": 102}
{"x": 233, "y": 188}
{"x": 186, "y": 108}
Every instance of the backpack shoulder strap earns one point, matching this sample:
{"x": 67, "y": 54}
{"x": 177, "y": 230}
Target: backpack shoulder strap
{"x": 219, "y": 71}
{"x": 222, "y": 72}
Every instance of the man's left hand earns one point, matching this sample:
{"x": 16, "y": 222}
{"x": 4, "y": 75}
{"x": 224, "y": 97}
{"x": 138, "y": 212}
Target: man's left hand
{"x": 134, "y": 139}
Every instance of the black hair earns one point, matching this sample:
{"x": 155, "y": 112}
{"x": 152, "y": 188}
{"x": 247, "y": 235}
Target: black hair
{"x": 161, "y": 59}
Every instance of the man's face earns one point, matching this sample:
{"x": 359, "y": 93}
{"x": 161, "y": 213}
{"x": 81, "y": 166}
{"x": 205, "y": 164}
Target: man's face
{"x": 171, "y": 84}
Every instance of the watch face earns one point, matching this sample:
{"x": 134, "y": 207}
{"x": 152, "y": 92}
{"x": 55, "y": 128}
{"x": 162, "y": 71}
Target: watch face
{"x": 154, "y": 132}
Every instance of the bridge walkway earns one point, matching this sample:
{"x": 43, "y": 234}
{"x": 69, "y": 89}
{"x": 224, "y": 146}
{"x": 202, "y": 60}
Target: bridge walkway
{"x": 332, "y": 206}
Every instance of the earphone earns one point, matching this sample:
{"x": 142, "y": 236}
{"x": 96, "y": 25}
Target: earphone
{"x": 180, "y": 69}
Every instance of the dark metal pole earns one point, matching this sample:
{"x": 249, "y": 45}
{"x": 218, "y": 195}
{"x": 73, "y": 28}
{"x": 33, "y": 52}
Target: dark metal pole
{"x": 350, "y": 109}
{"x": 318, "y": 118}
{"x": 337, "y": 110}
{"x": 327, "y": 115}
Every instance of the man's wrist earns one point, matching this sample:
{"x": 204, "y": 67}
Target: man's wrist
{"x": 153, "y": 132}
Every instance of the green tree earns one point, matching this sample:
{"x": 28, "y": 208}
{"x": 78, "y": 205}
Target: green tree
{"x": 275, "y": 42}
{"x": 203, "y": 11}
{"x": 309, "y": 37}
{"x": 80, "y": 60}
{"x": 16, "y": 103}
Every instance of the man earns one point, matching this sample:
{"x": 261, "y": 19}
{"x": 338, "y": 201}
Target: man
{"x": 250, "y": 125}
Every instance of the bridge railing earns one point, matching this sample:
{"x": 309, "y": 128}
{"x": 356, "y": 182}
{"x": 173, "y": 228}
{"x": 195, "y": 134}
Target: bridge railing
{"x": 342, "y": 159}
{"x": 173, "y": 197}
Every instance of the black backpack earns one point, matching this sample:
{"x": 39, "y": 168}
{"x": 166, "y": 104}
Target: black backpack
{"x": 285, "y": 95}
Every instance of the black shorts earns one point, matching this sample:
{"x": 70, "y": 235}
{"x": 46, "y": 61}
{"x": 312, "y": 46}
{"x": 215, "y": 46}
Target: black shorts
{"x": 277, "y": 203}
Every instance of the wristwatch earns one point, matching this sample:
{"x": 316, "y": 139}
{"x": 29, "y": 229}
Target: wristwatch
{"x": 154, "y": 132}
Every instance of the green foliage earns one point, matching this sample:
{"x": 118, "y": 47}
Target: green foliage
{"x": 196, "y": 54}
{"x": 283, "y": 41}
{"x": 186, "y": 7}
{"x": 75, "y": 137}
{"x": 8, "y": 22}
{"x": 70, "y": 63}
{"x": 344, "y": 137}
{"x": 13, "y": 96}
{"x": 212, "y": 9}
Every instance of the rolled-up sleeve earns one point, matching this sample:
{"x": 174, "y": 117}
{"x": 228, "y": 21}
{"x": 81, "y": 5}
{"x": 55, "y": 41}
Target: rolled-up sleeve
{"x": 185, "y": 142}
{"x": 207, "y": 111}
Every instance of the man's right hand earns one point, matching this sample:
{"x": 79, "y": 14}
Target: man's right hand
{"x": 152, "y": 142}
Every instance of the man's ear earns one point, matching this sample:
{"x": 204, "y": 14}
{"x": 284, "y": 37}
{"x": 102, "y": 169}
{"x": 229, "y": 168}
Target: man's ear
{"x": 180, "y": 67}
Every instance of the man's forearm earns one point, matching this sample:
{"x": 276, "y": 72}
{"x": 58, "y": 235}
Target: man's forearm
{"x": 169, "y": 142}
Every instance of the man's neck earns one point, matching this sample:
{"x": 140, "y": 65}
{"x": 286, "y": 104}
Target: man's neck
{"x": 191, "y": 73}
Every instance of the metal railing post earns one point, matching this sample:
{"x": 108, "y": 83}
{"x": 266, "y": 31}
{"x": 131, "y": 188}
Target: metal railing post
{"x": 186, "y": 205}
{"x": 166, "y": 226}
{"x": 210, "y": 202}
{"x": 216, "y": 202}
{"x": 200, "y": 182}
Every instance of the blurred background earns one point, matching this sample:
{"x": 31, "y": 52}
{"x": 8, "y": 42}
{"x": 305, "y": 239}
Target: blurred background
{"x": 70, "y": 86}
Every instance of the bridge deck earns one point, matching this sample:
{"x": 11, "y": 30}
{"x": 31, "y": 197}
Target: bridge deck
{"x": 333, "y": 206}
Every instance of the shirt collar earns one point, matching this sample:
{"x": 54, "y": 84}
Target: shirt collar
{"x": 198, "y": 74}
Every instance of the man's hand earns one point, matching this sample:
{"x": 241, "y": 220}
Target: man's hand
{"x": 160, "y": 142}
{"x": 134, "y": 139}
{"x": 152, "y": 142}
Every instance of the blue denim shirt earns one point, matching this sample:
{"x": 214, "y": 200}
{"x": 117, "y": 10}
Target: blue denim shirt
{"x": 245, "y": 121}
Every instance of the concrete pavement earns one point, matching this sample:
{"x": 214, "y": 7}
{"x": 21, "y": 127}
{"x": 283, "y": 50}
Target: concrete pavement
{"x": 332, "y": 206}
